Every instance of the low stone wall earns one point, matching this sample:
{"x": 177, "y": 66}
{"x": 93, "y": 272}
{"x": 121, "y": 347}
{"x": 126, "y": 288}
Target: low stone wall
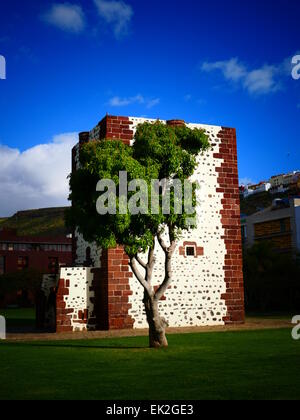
{"x": 75, "y": 300}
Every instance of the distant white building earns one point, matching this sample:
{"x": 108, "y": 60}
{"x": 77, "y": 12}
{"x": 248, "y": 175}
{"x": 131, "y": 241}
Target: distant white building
{"x": 256, "y": 189}
{"x": 276, "y": 184}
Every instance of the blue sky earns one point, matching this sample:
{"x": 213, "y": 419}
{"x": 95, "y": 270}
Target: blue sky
{"x": 68, "y": 63}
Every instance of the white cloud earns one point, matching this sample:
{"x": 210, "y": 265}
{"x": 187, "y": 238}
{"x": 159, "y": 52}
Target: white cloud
{"x": 232, "y": 69}
{"x": 152, "y": 103}
{"x": 263, "y": 80}
{"x": 116, "y": 13}
{"x": 117, "y": 101}
{"x": 68, "y": 17}
{"x": 187, "y": 97}
{"x": 36, "y": 177}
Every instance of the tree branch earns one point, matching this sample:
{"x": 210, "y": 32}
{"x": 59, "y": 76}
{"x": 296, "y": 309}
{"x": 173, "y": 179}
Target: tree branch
{"x": 162, "y": 242}
{"x": 140, "y": 261}
{"x": 150, "y": 265}
{"x": 168, "y": 272}
{"x": 151, "y": 257}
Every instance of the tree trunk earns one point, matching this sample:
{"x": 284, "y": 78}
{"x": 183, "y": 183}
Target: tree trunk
{"x": 157, "y": 324}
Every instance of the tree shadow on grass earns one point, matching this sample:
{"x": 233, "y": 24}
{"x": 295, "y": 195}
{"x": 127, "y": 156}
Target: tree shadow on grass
{"x": 80, "y": 346}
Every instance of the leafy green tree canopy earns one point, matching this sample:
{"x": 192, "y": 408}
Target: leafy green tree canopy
{"x": 159, "y": 152}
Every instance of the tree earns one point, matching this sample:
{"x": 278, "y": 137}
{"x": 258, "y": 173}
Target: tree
{"x": 160, "y": 152}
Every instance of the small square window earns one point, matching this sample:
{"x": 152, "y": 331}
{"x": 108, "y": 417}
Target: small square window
{"x": 190, "y": 251}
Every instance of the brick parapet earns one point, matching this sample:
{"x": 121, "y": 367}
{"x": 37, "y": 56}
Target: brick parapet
{"x": 229, "y": 185}
{"x": 119, "y": 128}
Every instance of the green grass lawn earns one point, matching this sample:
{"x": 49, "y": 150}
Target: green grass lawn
{"x": 231, "y": 365}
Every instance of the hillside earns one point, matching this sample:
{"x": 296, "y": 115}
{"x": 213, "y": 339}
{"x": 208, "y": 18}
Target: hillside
{"x": 51, "y": 222}
{"x": 45, "y": 222}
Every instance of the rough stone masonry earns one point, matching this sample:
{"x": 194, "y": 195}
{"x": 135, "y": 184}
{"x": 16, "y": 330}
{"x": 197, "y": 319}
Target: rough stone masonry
{"x": 100, "y": 291}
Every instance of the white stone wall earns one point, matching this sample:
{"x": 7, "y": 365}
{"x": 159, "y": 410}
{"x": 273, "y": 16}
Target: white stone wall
{"x": 194, "y": 298}
{"x": 79, "y": 297}
{"x": 82, "y": 246}
{"x": 95, "y": 133}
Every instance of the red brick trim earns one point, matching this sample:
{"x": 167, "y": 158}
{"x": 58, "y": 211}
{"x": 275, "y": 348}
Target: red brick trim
{"x": 176, "y": 123}
{"x": 229, "y": 186}
{"x": 111, "y": 128}
{"x": 119, "y": 128}
{"x": 119, "y": 290}
{"x": 115, "y": 269}
{"x": 112, "y": 291}
{"x": 199, "y": 250}
{"x": 63, "y": 315}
